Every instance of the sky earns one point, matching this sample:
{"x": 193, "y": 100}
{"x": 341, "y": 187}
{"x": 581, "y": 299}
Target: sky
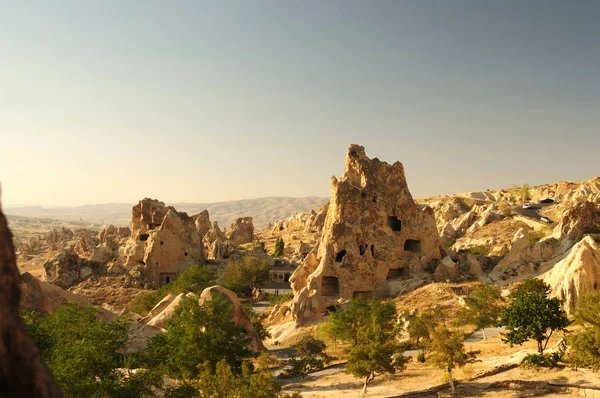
{"x": 196, "y": 101}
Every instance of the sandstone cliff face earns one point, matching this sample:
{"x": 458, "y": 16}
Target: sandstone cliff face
{"x": 373, "y": 232}
{"x": 576, "y": 274}
{"x": 164, "y": 242}
{"x": 242, "y": 231}
{"x": 22, "y": 371}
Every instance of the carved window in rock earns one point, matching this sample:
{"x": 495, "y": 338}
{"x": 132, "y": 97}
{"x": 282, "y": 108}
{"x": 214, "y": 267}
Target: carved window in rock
{"x": 394, "y": 223}
{"x": 144, "y": 237}
{"x": 394, "y": 273}
{"x": 167, "y": 277}
{"x": 330, "y": 286}
{"x": 412, "y": 245}
{"x": 340, "y": 256}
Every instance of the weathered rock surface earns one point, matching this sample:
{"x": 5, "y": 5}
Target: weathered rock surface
{"x": 242, "y": 231}
{"x": 66, "y": 269}
{"x": 164, "y": 242}
{"x": 22, "y": 371}
{"x": 374, "y": 231}
{"x": 576, "y": 274}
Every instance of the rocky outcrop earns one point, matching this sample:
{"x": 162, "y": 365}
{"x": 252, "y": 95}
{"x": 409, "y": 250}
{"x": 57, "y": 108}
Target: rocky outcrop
{"x": 582, "y": 218}
{"x": 164, "y": 242}
{"x": 241, "y": 231}
{"x": 22, "y": 371}
{"x": 373, "y": 232}
{"x": 66, "y": 269}
{"x": 576, "y": 274}
{"x": 446, "y": 271}
{"x": 215, "y": 244}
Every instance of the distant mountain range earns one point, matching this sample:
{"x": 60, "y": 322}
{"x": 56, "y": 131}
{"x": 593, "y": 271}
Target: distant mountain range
{"x": 263, "y": 210}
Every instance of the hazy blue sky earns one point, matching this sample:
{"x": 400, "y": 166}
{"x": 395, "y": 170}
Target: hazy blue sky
{"x": 112, "y": 101}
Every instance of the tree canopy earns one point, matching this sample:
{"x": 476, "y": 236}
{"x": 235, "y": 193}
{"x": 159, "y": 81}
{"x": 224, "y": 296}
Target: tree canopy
{"x": 246, "y": 274}
{"x": 531, "y": 315}
{"x": 483, "y": 307}
{"x": 448, "y": 351}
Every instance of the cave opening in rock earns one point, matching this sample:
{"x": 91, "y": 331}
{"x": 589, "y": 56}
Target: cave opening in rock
{"x": 412, "y": 245}
{"x": 185, "y": 254}
{"x": 144, "y": 237}
{"x": 362, "y": 249}
{"x": 372, "y": 250}
{"x": 330, "y": 286}
{"x": 167, "y": 277}
{"x": 396, "y": 273}
{"x": 394, "y": 223}
{"x": 340, "y": 256}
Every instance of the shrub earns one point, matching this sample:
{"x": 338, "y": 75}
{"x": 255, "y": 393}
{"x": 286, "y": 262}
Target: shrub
{"x": 535, "y": 236}
{"x": 421, "y": 357}
{"x": 540, "y": 360}
{"x": 476, "y": 250}
{"x": 274, "y": 300}
{"x": 310, "y": 356}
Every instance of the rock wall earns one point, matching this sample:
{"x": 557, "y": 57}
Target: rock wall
{"x": 164, "y": 242}
{"x": 22, "y": 371}
{"x": 373, "y": 232}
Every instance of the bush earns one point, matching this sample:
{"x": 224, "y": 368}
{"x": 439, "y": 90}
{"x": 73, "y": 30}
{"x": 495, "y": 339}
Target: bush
{"x": 540, "y": 360}
{"x": 421, "y": 357}
{"x": 310, "y": 356}
{"x": 274, "y": 300}
{"x": 476, "y": 250}
{"x": 448, "y": 245}
{"x": 194, "y": 279}
{"x": 244, "y": 275}
{"x": 535, "y": 236}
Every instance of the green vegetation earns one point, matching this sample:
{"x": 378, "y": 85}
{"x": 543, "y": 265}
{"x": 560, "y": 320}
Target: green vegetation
{"x": 282, "y": 298}
{"x": 540, "y": 360}
{"x": 310, "y": 356}
{"x": 244, "y": 275}
{"x": 476, "y": 250}
{"x": 194, "y": 279}
{"x": 448, "y": 351}
{"x": 482, "y": 309}
{"x": 199, "y": 335}
{"x": 531, "y": 315}
{"x": 585, "y": 344}
{"x": 535, "y": 236}
{"x": 279, "y": 247}
{"x": 85, "y": 354}
{"x": 421, "y": 327}
{"x": 448, "y": 245}
{"x": 525, "y": 192}
{"x": 370, "y": 328}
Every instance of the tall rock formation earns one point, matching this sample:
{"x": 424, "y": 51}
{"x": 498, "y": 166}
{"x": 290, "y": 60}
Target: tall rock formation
{"x": 22, "y": 371}
{"x": 373, "y": 232}
{"x": 242, "y": 231}
{"x": 576, "y": 274}
{"x": 164, "y": 242}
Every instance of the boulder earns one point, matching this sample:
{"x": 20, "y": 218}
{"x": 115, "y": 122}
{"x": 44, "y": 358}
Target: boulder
{"x": 242, "y": 231}
{"x": 447, "y": 270}
{"x": 373, "y": 231}
{"x": 576, "y": 274}
{"x": 66, "y": 269}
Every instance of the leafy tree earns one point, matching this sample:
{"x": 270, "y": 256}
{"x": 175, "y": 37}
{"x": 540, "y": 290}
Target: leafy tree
{"x": 310, "y": 356}
{"x": 371, "y": 330}
{"x": 199, "y": 335}
{"x": 279, "y": 247}
{"x": 482, "y": 307}
{"x": 526, "y": 192}
{"x": 532, "y": 315}
{"x": 448, "y": 351}
{"x": 585, "y": 344}
{"x": 85, "y": 354}
{"x": 420, "y": 327}
{"x": 194, "y": 279}
{"x": 244, "y": 275}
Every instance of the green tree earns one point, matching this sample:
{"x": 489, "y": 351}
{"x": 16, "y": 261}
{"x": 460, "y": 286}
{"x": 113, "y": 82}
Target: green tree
{"x": 448, "y": 351}
{"x": 194, "y": 279}
{"x": 526, "y": 192}
{"x": 532, "y": 315}
{"x": 279, "y": 247}
{"x": 483, "y": 307}
{"x": 585, "y": 344}
{"x": 197, "y": 335}
{"x": 421, "y": 326}
{"x": 244, "y": 275}
{"x": 85, "y": 354}
{"x": 371, "y": 331}
{"x": 310, "y": 356}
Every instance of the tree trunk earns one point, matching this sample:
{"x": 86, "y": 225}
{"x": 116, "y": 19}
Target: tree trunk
{"x": 451, "y": 381}
{"x": 364, "y": 390}
{"x": 483, "y": 330}
{"x": 540, "y": 347}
